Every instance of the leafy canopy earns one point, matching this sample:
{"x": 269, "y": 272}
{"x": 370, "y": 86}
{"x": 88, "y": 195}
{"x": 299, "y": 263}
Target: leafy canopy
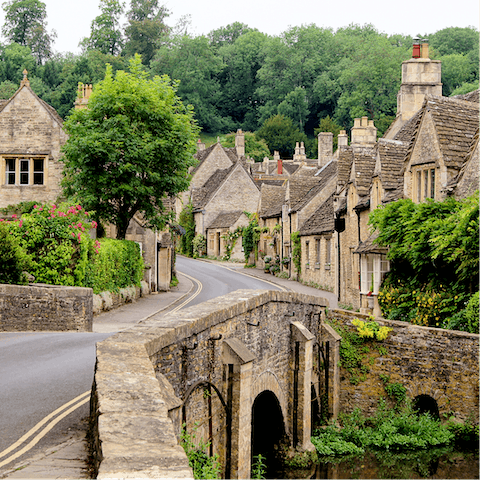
{"x": 130, "y": 148}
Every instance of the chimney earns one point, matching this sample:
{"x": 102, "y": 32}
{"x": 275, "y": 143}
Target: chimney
{"x": 299, "y": 153}
{"x": 200, "y": 145}
{"x": 420, "y": 76}
{"x": 279, "y": 167}
{"x": 342, "y": 138}
{"x": 240, "y": 143}
{"x": 83, "y": 95}
{"x": 364, "y": 132}
{"x": 276, "y": 155}
{"x": 325, "y": 148}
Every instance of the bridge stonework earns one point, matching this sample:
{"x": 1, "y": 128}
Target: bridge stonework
{"x": 205, "y": 367}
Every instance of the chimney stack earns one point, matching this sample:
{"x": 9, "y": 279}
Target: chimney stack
{"x": 83, "y": 95}
{"x": 240, "y": 143}
{"x": 279, "y": 167}
{"x": 200, "y": 145}
{"x": 342, "y": 138}
{"x": 364, "y": 132}
{"x": 325, "y": 148}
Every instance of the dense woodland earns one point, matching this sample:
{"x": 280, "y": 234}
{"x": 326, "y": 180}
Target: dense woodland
{"x": 306, "y": 79}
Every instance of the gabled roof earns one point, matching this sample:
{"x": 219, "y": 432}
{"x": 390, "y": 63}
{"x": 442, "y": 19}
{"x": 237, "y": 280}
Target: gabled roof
{"x": 202, "y": 155}
{"x": 368, "y": 246}
{"x": 391, "y": 155}
{"x": 272, "y": 200}
{"x": 303, "y": 188}
{"x": 469, "y": 97}
{"x": 291, "y": 168}
{"x": 364, "y": 166}
{"x": 345, "y": 161}
{"x": 225, "y": 220}
{"x": 201, "y": 196}
{"x": 455, "y": 122}
{"x": 50, "y": 110}
{"x": 321, "y": 221}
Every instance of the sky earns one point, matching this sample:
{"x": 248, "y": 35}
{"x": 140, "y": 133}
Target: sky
{"x": 72, "y": 19}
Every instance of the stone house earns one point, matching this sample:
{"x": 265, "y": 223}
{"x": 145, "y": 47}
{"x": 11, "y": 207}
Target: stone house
{"x": 218, "y": 230}
{"x": 31, "y": 137}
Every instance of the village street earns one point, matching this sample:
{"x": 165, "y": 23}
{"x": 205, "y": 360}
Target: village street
{"x": 41, "y": 372}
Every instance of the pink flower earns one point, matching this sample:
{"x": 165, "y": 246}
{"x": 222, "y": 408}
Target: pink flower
{"x": 94, "y": 224}
{"x": 14, "y": 216}
{"x": 20, "y": 224}
{"x": 35, "y": 206}
{"x": 73, "y": 235}
{"x": 79, "y": 207}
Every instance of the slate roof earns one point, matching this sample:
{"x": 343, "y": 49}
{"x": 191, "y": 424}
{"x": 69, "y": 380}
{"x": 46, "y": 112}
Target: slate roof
{"x": 321, "y": 221}
{"x": 272, "y": 200}
{"x": 364, "y": 167}
{"x": 201, "y": 196}
{"x": 368, "y": 246}
{"x": 456, "y": 122}
{"x": 291, "y": 168}
{"x": 392, "y": 154}
{"x": 225, "y": 220}
{"x": 303, "y": 188}
{"x": 269, "y": 181}
{"x": 203, "y": 154}
{"x": 345, "y": 161}
{"x": 469, "y": 97}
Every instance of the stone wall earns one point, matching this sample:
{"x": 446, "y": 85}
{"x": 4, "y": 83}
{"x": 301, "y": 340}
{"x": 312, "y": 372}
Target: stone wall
{"x": 442, "y": 364}
{"x": 142, "y": 374}
{"x": 45, "y": 308}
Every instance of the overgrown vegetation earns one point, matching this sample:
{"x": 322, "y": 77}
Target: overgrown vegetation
{"x": 433, "y": 248}
{"x": 296, "y": 251}
{"x": 202, "y": 465}
{"x": 359, "y": 347}
{"x": 53, "y": 244}
{"x": 187, "y": 222}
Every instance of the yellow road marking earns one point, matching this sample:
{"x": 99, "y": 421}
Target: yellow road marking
{"x": 186, "y": 302}
{"x": 81, "y": 401}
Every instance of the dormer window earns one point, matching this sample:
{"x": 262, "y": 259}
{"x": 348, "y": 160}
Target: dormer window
{"x": 424, "y": 183}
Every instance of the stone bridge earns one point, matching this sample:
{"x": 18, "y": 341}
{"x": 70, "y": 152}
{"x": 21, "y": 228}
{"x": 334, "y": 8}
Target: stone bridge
{"x": 245, "y": 371}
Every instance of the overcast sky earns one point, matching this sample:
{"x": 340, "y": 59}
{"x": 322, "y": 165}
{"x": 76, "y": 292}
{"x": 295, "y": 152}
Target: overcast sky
{"x": 72, "y": 19}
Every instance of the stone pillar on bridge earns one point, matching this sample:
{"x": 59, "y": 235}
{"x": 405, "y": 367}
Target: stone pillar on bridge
{"x": 238, "y": 361}
{"x": 303, "y": 341}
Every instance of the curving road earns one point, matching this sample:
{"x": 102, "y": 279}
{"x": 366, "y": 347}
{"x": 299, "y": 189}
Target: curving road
{"x": 41, "y": 371}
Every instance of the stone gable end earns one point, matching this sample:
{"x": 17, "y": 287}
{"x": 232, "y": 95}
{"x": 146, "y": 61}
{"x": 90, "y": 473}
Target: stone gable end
{"x": 237, "y": 192}
{"x": 217, "y": 160}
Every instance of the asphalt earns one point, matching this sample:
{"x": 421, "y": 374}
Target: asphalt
{"x": 68, "y": 460}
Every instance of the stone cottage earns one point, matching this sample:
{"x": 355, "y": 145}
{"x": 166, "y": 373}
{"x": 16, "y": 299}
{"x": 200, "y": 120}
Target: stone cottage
{"x": 31, "y": 137}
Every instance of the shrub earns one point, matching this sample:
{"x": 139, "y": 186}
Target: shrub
{"x": 12, "y": 262}
{"x": 199, "y": 246}
{"x": 118, "y": 264}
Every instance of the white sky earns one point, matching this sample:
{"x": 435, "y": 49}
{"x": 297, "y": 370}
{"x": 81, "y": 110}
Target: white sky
{"x": 72, "y": 19}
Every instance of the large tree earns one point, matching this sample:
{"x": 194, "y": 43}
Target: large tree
{"x": 26, "y": 24}
{"x": 146, "y": 25}
{"x": 106, "y": 31}
{"x": 130, "y": 148}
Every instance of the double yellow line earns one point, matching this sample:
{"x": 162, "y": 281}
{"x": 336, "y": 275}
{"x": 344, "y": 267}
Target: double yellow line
{"x": 50, "y": 421}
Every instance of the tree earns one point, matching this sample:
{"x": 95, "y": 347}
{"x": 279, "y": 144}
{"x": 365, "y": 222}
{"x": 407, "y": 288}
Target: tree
{"x": 106, "y": 32}
{"x": 146, "y": 25}
{"x": 26, "y": 24}
{"x": 130, "y": 148}
{"x": 280, "y": 134}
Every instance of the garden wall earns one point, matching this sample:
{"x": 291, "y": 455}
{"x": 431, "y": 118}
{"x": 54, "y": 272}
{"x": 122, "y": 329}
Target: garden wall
{"x": 45, "y": 308}
{"x": 442, "y": 364}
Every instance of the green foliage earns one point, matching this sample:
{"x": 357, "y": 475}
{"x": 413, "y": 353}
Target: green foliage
{"x": 397, "y": 429}
{"x": 396, "y": 391}
{"x": 358, "y": 346}
{"x": 187, "y": 221}
{"x": 250, "y": 235}
{"x": 118, "y": 264}
{"x": 202, "y": 465}
{"x": 26, "y": 25}
{"x": 296, "y": 251}
{"x": 20, "y": 208}
{"x": 230, "y": 239}
{"x": 12, "y": 262}
{"x": 56, "y": 243}
{"x": 199, "y": 246}
{"x": 258, "y": 466}
{"x": 280, "y": 134}
{"x": 130, "y": 148}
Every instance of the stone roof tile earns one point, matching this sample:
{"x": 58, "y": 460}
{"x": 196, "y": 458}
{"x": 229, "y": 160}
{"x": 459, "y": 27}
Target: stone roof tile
{"x": 272, "y": 200}
{"x": 321, "y": 221}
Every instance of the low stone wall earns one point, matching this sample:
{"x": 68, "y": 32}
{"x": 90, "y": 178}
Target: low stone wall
{"x": 442, "y": 364}
{"x": 42, "y": 307}
{"x": 105, "y": 301}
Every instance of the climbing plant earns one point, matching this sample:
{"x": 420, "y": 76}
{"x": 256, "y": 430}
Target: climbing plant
{"x": 230, "y": 239}
{"x": 296, "y": 251}
{"x": 199, "y": 246}
{"x": 251, "y": 235}
{"x": 187, "y": 221}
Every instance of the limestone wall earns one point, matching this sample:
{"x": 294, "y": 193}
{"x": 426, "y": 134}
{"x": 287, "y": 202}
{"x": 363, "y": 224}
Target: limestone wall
{"x": 45, "y": 308}
{"x": 141, "y": 375}
{"x": 442, "y": 364}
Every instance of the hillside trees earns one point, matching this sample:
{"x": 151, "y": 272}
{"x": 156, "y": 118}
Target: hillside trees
{"x": 26, "y": 25}
{"x": 130, "y": 148}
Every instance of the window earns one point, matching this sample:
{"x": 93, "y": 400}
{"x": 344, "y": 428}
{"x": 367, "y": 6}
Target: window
{"x": 307, "y": 253}
{"x": 24, "y": 171}
{"x": 317, "y": 250}
{"x": 10, "y": 171}
{"x": 328, "y": 257}
{"x": 425, "y": 184}
{"x": 373, "y": 268}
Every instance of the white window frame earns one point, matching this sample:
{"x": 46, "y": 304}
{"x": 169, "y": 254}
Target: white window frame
{"x": 24, "y": 171}
{"x": 373, "y": 267}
